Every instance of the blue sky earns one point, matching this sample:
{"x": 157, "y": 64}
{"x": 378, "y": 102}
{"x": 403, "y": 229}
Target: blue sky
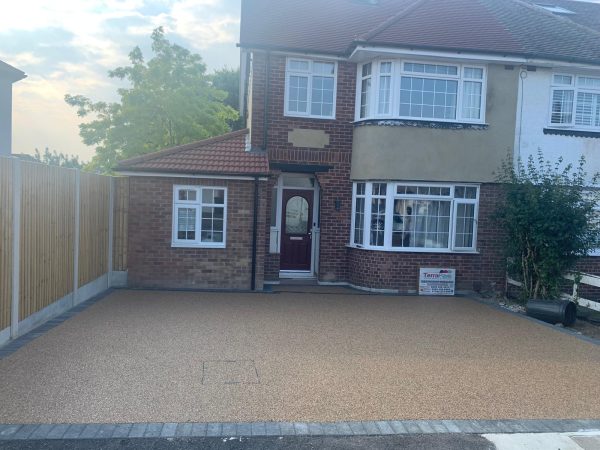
{"x": 68, "y": 46}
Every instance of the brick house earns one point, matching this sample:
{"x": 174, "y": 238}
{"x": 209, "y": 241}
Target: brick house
{"x": 375, "y": 128}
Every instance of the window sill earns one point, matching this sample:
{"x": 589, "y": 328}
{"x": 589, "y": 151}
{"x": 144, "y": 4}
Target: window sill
{"x": 206, "y": 245}
{"x": 572, "y": 132}
{"x": 415, "y": 123}
{"x": 413, "y": 250}
{"x": 300, "y": 116}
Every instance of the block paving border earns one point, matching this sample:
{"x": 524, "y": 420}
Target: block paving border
{"x": 249, "y": 429}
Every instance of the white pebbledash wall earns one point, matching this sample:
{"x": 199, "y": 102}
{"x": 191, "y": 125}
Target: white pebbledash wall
{"x": 534, "y": 115}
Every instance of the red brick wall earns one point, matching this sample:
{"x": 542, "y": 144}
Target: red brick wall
{"x": 335, "y": 184}
{"x": 400, "y": 270}
{"x": 154, "y": 263}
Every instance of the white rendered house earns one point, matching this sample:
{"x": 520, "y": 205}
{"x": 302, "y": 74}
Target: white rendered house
{"x": 8, "y": 76}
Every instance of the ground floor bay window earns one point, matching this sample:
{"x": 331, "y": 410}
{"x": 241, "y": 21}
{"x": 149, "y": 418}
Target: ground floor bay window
{"x": 414, "y": 216}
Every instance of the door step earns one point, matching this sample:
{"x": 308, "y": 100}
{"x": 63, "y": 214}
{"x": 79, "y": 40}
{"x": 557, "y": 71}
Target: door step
{"x": 298, "y": 281}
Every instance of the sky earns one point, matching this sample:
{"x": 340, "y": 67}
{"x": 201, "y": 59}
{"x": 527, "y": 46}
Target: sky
{"x": 68, "y": 46}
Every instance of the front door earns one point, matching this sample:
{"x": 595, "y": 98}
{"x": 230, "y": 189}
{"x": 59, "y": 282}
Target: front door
{"x": 296, "y": 226}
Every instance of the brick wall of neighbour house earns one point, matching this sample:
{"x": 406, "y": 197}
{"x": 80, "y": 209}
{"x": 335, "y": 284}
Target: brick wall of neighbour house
{"x": 335, "y": 184}
{"x": 153, "y": 263}
{"x": 483, "y": 271}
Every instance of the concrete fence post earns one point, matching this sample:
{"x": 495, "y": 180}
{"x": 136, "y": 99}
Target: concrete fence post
{"x": 16, "y": 249}
{"x": 111, "y": 212}
{"x": 76, "y": 238}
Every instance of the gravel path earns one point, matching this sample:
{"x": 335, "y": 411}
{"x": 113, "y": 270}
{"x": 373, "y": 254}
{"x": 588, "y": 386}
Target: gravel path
{"x": 141, "y": 356}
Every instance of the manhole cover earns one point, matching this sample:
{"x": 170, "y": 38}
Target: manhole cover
{"x": 230, "y": 372}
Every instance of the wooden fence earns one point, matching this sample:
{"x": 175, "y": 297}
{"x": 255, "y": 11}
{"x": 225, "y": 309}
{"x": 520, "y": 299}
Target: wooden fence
{"x": 63, "y": 239}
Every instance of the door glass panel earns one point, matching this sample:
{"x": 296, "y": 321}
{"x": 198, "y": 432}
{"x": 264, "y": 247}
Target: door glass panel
{"x": 296, "y": 216}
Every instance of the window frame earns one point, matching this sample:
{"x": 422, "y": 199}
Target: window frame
{"x": 398, "y": 71}
{"x": 197, "y": 204}
{"x": 310, "y": 74}
{"x": 573, "y": 87}
{"x": 391, "y": 195}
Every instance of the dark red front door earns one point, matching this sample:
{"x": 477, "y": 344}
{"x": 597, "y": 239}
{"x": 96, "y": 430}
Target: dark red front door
{"x": 296, "y": 229}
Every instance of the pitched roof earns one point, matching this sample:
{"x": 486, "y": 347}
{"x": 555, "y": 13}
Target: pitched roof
{"x": 510, "y": 27}
{"x": 221, "y": 155}
{"x": 11, "y": 73}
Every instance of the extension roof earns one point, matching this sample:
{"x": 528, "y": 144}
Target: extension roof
{"x": 11, "y": 73}
{"x": 222, "y": 155}
{"x": 506, "y": 27}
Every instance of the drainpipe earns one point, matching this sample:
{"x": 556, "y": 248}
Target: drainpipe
{"x": 254, "y": 235}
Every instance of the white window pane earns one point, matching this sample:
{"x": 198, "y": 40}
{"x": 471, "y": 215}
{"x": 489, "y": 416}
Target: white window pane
{"x": 322, "y": 96}
{"x": 563, "y": 79}
{"x": 377, "y": 222}
{"x": 588, "y": 82}
{"x": 324, "y": 68}
{"x": 295, "y": 64}
{"x": 186, "y": 224}
{"x": 587, "y": 110}
{"x": 366, "y": 70}
{"x": 298, "y": 93}
{"x": 471, "y": 108}
{"x": 212, "y": 224}
{"x": 562, "y": 106}
{"x": 428, "y": 98}
{"x": 465, "y": 225}
{"x": 474, "y": 73}
{"x": 359, "y": 219}
{"x": 385, "y": 68}
{"x": 365, "y": 94}
{"x": 187, "y": 195}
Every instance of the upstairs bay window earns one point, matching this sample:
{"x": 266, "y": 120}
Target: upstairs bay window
{"x": 575, "y": 102}
{"x": 421, "y": 91}
{"x": 310, "y": 88}
{"x": 415, "y": 217}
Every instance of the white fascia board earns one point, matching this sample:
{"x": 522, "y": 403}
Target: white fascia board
{"x": 362, "y": 52}
{"x": 309, "y": 55}
{"x": 184, "y": 175}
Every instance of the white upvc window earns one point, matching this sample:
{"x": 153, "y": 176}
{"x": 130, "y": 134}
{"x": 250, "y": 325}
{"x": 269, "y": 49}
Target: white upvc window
{"x": 415, "y": 217}
{"x": 199, "y": 216}
{"x": 575, "y": 102}
{"x": 310, "y": 88}
{"x": 421, "y": 91}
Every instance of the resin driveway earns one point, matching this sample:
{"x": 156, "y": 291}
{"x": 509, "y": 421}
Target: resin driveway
{"x": 330, "y": 355}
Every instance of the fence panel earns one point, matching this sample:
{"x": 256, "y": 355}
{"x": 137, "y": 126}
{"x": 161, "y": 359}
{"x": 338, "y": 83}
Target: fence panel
{"x": 6, "y": 194}
{"x": 94, "y": 204}
{"x": 121, "y": 205}
{"x": 47, "y": 235}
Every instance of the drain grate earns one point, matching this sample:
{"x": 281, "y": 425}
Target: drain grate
{"x": 241, "y": 371}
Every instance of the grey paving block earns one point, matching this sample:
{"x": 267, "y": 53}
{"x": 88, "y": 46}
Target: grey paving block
{"x": 244, "y": 429}
{"x": 258, "y": 429}
{"x": 198, "y": 429}
{"x": 229, "y": 429}
{"x": 384, "y": 427}
{"x": 344, "y": 429}
{"x": 185, "y": 429}
{"x": 41, "y": 432}
{"x": 425, "y": 426}
{"x": 483, "y": 426}
{"x": 287, "y": 429}
{"x": 398, "y": 427}
{"x": 438, "y": 426}
{"x": 106, "y": 431}
{"x": 371, "y": 428}
{"x": 214, "y": 429}
{"x": 272, "y": 429}
{"x": 74, "y": 431}
{"x": 451, "y": 426}
{"x": 25, "y": 431}
{"x": 168, "y": 429}
{"x": 301, "y": 428}
{"x": 357, "y": 428}
{"x": 90, "y": 431}
{"x": 329, "y": 428}
{"x": 411, "y": 426}
{"x": 153, "y": 429}
{"x": 315, "y": 429}
{"x": 57, "y": 431}
{"x": 6, "y": 431}
{"x": 122, "y": 430}
{"x": 137, "y": 430}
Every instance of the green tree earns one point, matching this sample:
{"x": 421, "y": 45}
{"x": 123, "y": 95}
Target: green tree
{"x": 170, "y": 101}
{"x": 53, "y": 158}
{"x": 550, "y": 221}
{"x": 228, "y": 80}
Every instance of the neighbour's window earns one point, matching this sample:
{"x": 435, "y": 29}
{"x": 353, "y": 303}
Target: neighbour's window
{"x": 310, "y": 88}
{"x": 422, "y": 91}
{"x": 199, "y": 216}
{"x": 575, "y": 102}
{"x": 423, "y": 217}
